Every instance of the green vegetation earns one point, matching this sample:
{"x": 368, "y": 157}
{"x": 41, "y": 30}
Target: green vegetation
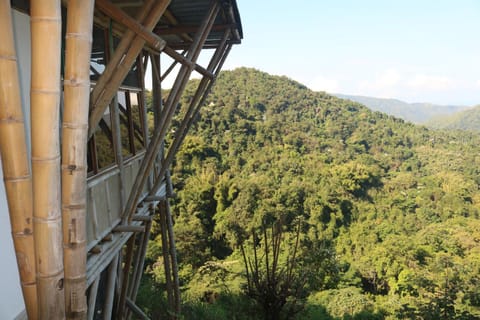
{"x": 387, "y": 212}
{"x": 465, "y": 120}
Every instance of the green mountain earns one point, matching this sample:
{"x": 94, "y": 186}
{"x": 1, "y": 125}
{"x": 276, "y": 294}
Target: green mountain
{"x": 413, "y": 112}
{"x": 379, "y": 218}
{"x": 464, "y": 120}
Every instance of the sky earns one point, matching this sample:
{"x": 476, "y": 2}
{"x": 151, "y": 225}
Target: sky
{"x": 415, "y": 51}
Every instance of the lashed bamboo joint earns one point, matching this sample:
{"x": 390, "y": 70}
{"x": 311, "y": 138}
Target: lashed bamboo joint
{"x": 81, "y": 204}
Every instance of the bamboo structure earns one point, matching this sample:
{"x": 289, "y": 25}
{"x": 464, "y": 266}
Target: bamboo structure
{"x": 74, "y": 156}
{"x": 81, "y": 207}
{"x": 16, "y": 168}
{"x": 45, "y": 110}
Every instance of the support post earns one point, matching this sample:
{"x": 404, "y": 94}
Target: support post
{"x": 74, "y": 156}
{"x": 15, "y": 164}
{"x": 121, "y": 63}
{"x": 45, "y": 23}
{"x": 169, "y": 111}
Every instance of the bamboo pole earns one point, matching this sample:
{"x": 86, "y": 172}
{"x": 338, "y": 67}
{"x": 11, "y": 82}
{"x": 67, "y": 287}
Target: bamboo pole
{"x": 166, "y": 256}
{"x": 126, "y": 278}
{"x": 110, "y": 288}
{"x": 169, "y": 111}
{"x": 44, "y": 101}
{"x": 74, "y": 157}
{"x": 119, "y": 15}
{"x": 16, "y": 168}
{"x": 121, "y": 64}
{"x": 92, "y": 298}
{"x": 197, "y": 101}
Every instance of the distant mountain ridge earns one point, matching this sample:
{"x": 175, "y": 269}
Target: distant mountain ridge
{"x": 414, "y": 112}
{"x": 468, "y": 120}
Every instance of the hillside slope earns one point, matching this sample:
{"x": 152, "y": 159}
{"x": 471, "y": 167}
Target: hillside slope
{"x": 468, "y": 120}
{"x": 413, "y": 112}
{"x": 388, "y": 211}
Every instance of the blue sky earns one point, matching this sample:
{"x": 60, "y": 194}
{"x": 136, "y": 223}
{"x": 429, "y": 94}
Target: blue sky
{"x": 417, "y": 51}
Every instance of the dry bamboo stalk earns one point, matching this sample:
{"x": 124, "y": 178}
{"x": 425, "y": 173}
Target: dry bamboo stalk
{"x": 166, "y": 257}
{"x": 121, "y": 63}
{"x": 113, "y": 11}
{"x": 173, "y": 255}
{"x": 92, "y": 298}
{"x": 126, "y": 278}
{"x": 169, "y": 110}
{"x": 110, "y": 289}
{"x": 16, "y": 168}
{"x": 203, "y": 88}
{"x": 74, "y": 156}
{"x": 45, "y": 106}
{"x": 122, "y": 47}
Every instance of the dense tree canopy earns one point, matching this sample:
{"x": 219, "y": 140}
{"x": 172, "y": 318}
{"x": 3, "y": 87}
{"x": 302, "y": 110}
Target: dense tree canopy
{"x": 389, "y": 211}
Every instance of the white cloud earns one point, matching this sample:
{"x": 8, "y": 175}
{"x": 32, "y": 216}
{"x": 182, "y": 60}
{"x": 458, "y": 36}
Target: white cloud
{"x": 429, "y": 82}
{"x": 321, "y": 83}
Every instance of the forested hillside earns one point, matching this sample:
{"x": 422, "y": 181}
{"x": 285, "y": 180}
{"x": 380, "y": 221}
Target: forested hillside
{"x": 468, "y": 120}
{"x": 366, "y": 216}
{"x": 413, "y": 112}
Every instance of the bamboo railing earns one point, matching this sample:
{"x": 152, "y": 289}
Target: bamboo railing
{"x": 74, "y": 155}
{"x": 15, "y": 163}
{"x": 45, "y": 18}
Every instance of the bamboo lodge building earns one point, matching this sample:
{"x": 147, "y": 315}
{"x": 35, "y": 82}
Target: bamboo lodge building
{"x": 84, "y": 172}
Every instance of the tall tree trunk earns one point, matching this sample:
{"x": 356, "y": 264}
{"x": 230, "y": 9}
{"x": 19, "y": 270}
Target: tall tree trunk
{"x": 74, "y": 157}
{"x": 16, "y": 168}
{"x": 46, "y": 22}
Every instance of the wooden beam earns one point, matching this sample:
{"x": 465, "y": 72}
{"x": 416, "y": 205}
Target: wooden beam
{"x": 120, "y": 16}
{"x": 174, "y": 97}
{"x": 189, "y": 29}
{"x": 173, "y": 20}
{"x": 121, "y": 63}
{"x": 183, "y": 60}
{"x": 135, "y": 309}
{"x": 128, "y": 228}
{"x": 202, "y": 90}
{"x": 210, "y": 44}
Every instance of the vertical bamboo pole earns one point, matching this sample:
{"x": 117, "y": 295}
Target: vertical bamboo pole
{"x": 16, "y": 168}
{"x": 169, "y": 110}
{"x": 166, "y": 256}
{"x": 110, "y": 294}
{"x": 45, "y": 98}
{"x": 202, "y": 91}
{"x": 74, "y": 157}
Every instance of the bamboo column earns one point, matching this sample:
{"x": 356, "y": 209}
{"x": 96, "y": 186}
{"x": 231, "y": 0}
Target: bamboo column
{"x": 202, "y": 91}
{"x": 121, "y": 63}
{"x": 45, "y": 98}
{"x": 169, "y": 110}
{"x": 74, "y": 156}
{"x": 16, "y": 168}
